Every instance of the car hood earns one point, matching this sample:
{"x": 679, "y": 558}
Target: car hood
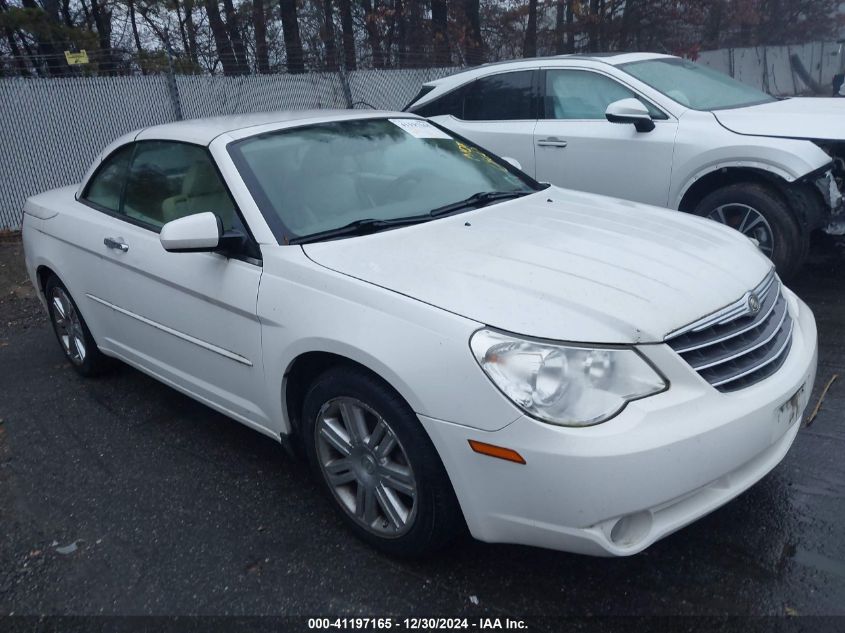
{"x": 560, "y": 264}
{"x": 801, "y": 117}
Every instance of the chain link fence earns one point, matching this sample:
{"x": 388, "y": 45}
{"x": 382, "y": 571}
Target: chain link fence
{"x": 52, "y": 128}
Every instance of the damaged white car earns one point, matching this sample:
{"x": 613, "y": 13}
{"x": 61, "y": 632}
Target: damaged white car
{"x": 451, "y": 343}
{"x": 690, "y": 138}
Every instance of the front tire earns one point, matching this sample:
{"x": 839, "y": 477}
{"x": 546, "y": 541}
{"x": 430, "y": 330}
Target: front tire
{"x": 378, "y": 465}
{"x": 762, "y": 214}
{"x": 72, "y": 332}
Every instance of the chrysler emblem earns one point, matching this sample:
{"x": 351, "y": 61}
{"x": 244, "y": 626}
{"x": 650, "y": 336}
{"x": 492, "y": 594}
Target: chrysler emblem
{"x": 753, "y": 303}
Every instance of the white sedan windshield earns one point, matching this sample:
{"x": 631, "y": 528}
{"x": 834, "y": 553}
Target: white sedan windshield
{"x": 694, "y": 86}
{"x": 312, "y": 179}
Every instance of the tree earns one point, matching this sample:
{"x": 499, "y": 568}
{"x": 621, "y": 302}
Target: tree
{"x": 416, "y": 52}
{"x": 328, "y": 37}
{"x": 190, "y": 31}
{"x": 470, "y": 26}
{"x": 348, "y": 34}
{"x": 44, "y": 29}
{"x": 241, "y": 36}
{"x": 225, "y": 52}
{"x": 102, "y": 22}
{"x": 795, "y": 21}
{"x": 292, "y": 38}
{"x": 570, "y": 30}
{"x": 136, "y": 36}
{"x": 397, "y": 33}
{"x": 440, "y": 33}
{"x": 529, "y": 48}
{"x": 373, "y": 34}
{"x": 630, "y": 23}
{"x": 11, "y": 35}
{"x": 593, "y": 31}
{"x": 234, "y": 30}
{"x": 259, "y": 25}
{"x": 712, "y": 27}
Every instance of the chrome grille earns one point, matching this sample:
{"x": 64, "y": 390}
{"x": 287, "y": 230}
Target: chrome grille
{"x": 734, "y": 347}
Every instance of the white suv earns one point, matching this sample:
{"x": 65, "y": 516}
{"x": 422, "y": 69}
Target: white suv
{"x": 693, "y": 139}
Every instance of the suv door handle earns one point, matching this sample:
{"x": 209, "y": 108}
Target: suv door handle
{"x": 116, "y": 243}
{"x": 552, "y": 141}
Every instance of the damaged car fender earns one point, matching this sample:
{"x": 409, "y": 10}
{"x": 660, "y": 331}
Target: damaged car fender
{"x": 787, "y": 160}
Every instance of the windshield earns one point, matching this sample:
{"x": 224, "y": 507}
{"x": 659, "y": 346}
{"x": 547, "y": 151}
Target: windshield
{"x": 309, "y": 180}
{"x": 694, "y": 86}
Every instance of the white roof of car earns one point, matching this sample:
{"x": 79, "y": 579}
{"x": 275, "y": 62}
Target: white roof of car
{"x": 203, "y": 131}
{"x": 613, "y": 59}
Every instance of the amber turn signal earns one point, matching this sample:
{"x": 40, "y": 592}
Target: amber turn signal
{"x": 496, "y": 451}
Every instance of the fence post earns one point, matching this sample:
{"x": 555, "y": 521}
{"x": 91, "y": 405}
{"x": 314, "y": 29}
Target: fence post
{"x": 344, "y": 83}
{"x": 171, "y": 85}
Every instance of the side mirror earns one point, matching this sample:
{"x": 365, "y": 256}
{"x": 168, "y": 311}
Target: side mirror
{"x": 512, "y": 161}
{"x": 630, "y": 111}
{"x": 192, "y": 234}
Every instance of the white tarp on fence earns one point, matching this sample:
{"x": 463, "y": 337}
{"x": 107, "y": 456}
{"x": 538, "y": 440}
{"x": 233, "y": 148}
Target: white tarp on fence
{"x": 769, "y": 67}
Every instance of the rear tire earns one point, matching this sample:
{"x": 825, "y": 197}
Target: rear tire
{"x": 761, "y": 213}
{"x": 72, "y": 332}
{"x": 378, "y": 465}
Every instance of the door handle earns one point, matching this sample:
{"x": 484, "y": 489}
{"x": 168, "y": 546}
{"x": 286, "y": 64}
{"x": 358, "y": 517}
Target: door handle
{"x": 552, "y": 141}
{"x": 116, "y": 243}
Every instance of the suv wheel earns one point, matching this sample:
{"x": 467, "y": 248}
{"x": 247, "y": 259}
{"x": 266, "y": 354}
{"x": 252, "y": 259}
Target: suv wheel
{"x": 378, "y": 464}
{"x": 762, "y": 215}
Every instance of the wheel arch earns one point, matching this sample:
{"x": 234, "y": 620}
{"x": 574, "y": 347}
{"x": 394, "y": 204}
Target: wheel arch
{"x": 42, "y": 273}
{"x": 803, "y": 199}
{"x": 723, "y": 176}
{"x": 307, "y": 366}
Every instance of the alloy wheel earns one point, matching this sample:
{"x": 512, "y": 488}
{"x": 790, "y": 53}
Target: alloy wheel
{"x": 366, "y": 467}
{"x": 67, "y": 325}
{"x": 748, "y": 221}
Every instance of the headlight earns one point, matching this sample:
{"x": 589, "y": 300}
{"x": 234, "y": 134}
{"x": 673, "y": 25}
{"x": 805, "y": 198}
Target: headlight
{"x": 565, "y": 384}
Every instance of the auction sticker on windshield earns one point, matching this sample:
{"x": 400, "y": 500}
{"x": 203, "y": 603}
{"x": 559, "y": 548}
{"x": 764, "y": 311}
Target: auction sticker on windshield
{"x": 419, "y": 128}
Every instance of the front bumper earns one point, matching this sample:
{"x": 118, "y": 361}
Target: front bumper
{"x": 615, "y": 488}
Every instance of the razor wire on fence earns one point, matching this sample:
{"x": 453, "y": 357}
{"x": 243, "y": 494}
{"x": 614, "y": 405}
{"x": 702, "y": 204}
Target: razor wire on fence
{"x": 52, "y": 128}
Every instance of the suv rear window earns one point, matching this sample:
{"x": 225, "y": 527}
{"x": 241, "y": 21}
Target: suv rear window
{"x": 502, "y": 97}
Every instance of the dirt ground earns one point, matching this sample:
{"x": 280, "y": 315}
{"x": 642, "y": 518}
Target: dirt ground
{"x": 19, "y": 307}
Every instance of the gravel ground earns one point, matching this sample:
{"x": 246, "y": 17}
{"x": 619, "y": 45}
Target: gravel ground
{"x": 119, "y": 496}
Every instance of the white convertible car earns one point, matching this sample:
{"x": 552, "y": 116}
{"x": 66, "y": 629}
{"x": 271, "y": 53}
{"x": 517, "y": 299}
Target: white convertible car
{"x": 660, "y": 130}
{"x": 451, "y": 343}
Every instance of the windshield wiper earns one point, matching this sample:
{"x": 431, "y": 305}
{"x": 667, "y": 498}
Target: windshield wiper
{"x": 476, "y": 200}
{"x": 367, "y": 226}
{"x": 364, "y": 226}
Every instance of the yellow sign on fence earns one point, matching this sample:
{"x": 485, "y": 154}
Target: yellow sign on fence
{"x": 76, "y": 58}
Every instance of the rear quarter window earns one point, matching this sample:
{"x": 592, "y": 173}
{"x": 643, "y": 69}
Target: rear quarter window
{"x": 452, "y": 103}
{"x": 106, "y": 185}
{"x": 509, "y": 96}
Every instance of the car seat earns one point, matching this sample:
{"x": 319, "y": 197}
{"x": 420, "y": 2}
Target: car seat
{"x": 202, "y": 191}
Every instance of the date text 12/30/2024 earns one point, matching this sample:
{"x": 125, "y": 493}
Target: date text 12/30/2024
{"x": 416, "y": 623}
